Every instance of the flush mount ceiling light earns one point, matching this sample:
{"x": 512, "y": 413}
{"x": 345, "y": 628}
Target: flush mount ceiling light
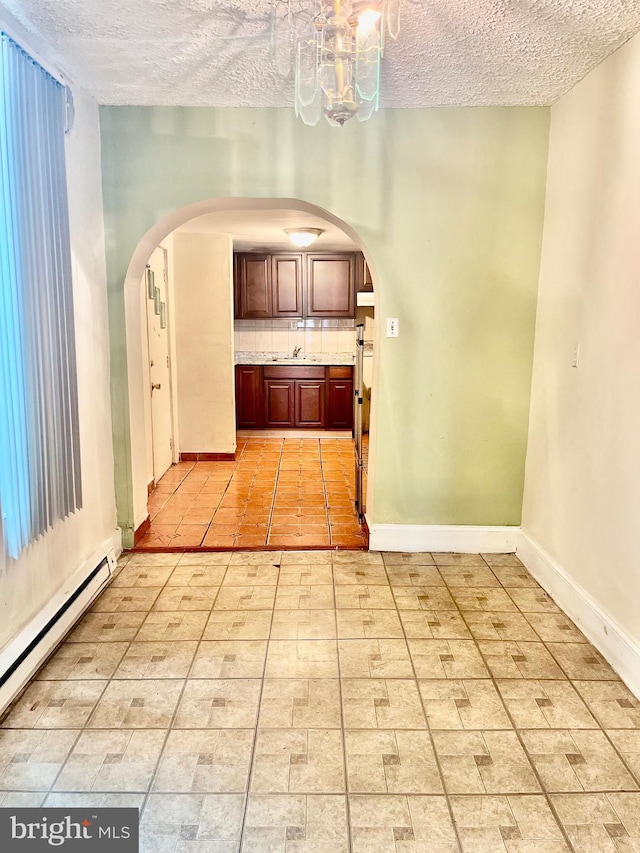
{"x": 336, "y": 53}
{"x": 303, "y": 237}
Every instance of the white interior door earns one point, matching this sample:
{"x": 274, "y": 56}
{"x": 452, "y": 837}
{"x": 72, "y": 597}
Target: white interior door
{"x": 160, "y": 367}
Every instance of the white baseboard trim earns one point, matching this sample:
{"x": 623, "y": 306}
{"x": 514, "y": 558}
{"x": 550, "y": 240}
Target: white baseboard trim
{"x": 459, "y": 538}
{"x": 25, "y": 653}
{"x": 116, "y": 542}
{"x": 611, "y": 640}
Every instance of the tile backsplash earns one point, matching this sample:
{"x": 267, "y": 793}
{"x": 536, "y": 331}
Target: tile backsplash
{"x": 311, "y": 335}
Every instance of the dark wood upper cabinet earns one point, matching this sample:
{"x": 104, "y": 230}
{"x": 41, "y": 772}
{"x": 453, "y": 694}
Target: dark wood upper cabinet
{"x": 254, "y": 282}
{"x": 286, "y": 285}
{"x": 296, "y": 285}
{"x": 330, "y": 285}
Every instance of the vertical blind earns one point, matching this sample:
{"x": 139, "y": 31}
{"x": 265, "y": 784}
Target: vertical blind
{"x": 40, "y": 478}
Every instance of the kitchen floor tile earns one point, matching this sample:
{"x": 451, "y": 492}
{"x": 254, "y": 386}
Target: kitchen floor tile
{"x": 391, "y": 762}
{"x": 369, "y": 624}
{"x": 230, "y": 703}
{"x": 606, "y": 823}
{"x": 238, "y": 625}
{"x": 30, "y": 760}
{"x": 577, "y": 760}
{"x": 157, "y": 660}
{"x": 172, "y": 626}
{"x": 229, "y": 659}
{"x": 488, "y": 762}
{"x": 304, "y": 625}
{"x": 112, "y": 761}
{"x": 214, "y": 761}
{"x": 611, "y": 702}
{"x": 375, "y": 659}
{"x": 452, "y": 704}
{"x": 399, "y": 824}
{"x": 181, "y": 822}
{"x": 83, "y": 661}
{"x": 300, "y": 703}
{"x": 55, "y": 705}
{"x": 447, "y": 659}
{"x": 298, "y": 761}
{"x": 137, "y": 704}
{"x": 545, "y": 704}
{"x": 302, "y": 659}
{"x": 295, "y": 823}
{"x": 381, "y": 704}
{"x": 507, "y": 824}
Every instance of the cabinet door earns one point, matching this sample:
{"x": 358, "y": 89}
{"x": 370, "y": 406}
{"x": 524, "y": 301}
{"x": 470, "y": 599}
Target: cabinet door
{"x": 286, "y": 286}
{"x": 310, "y": 403}
{"x": 340, "y": 404}
{"x": 330, "y": 288}
{"x": 254, "y": 278}
{"x": 279, "y": 409}
{"x": 249, "y": 406}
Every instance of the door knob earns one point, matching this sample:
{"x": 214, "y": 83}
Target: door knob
{"x": 156, "y": 387}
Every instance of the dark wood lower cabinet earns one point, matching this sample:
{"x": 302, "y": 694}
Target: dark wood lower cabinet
{"x": 292, "y": 396}
{"x": 249, "y": 401}
{"x": 310, "y": 403}
{"x": 279, "y": 403}
{"x": 340, "y": 404}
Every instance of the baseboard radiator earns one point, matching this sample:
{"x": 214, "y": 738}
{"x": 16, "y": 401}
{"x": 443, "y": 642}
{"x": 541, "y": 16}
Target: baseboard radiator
{"x": 25, "y": 654}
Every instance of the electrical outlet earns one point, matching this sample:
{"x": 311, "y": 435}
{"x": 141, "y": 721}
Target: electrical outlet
{"x": 392, "y": 327}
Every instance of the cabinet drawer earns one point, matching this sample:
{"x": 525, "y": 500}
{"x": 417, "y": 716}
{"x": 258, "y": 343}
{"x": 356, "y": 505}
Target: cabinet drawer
{"x": 293, "y": 371}
{"x": 340, "y": 372}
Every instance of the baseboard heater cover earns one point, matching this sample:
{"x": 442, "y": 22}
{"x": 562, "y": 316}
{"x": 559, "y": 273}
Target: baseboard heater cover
{"x": 24, "y": 655}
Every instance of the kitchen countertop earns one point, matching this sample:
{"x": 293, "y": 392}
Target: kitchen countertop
{"x": 324, "y": 358}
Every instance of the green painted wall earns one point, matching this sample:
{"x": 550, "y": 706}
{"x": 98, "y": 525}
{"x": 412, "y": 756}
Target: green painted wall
{"x": 450, "y": 204}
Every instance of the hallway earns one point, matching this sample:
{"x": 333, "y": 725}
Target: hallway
{"x": 278, "y": 493}
{"x": 329, "y": 702}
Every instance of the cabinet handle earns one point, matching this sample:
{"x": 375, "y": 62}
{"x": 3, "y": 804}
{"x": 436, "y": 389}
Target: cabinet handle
{"x": 156, "y": 387}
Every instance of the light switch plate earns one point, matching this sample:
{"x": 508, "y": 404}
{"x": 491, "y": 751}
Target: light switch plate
{"x": 392, "y": 327}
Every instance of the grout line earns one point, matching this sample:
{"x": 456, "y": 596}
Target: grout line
{"x": 343, "y": 734}
{"x": 179, "y": 700}
{"x": 275, "y": 495}
{"x": 520, "y": 740}
{"x": 426, "y": 720}
{"x": 255, "y": 730}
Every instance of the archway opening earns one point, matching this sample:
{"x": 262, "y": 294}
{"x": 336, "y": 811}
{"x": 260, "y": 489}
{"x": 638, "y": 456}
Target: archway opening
{"x": 213, "y": 235}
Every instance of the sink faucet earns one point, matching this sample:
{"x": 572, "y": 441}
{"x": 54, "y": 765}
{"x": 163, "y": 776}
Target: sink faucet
{"x": 296, "y": 350}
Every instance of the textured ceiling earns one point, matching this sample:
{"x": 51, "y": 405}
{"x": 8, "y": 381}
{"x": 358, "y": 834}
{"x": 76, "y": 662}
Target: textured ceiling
{"x": 264, "y": 229}
{"x": 217, "y": 52}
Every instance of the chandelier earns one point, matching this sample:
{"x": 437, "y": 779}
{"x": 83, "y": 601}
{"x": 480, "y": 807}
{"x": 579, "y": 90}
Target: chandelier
{"x": 335, "y": 51}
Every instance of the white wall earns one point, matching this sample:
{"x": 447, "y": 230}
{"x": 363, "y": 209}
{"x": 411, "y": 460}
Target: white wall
{"x": 27, "y": 585}
{"x": 582, "y": 489}
{"x": 203, "y": 324}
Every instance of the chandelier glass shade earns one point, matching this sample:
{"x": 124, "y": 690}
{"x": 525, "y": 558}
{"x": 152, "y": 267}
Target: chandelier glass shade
{"x": 336, "y": 58}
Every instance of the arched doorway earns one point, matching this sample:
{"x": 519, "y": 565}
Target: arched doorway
{"x": 137, "y": 379}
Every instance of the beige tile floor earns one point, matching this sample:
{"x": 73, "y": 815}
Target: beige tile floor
{"x": 325, "y": 702}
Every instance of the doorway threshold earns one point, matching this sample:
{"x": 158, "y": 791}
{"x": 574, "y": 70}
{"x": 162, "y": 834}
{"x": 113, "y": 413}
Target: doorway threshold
{"x": 295, "y": 433}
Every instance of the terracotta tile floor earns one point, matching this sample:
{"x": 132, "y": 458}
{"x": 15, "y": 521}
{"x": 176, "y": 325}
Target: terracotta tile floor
{"x": 332, "y": 702}
{"x": 279, "y": 493}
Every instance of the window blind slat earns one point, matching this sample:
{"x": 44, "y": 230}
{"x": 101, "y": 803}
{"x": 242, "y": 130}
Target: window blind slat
{"x": 40, "y": 471}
